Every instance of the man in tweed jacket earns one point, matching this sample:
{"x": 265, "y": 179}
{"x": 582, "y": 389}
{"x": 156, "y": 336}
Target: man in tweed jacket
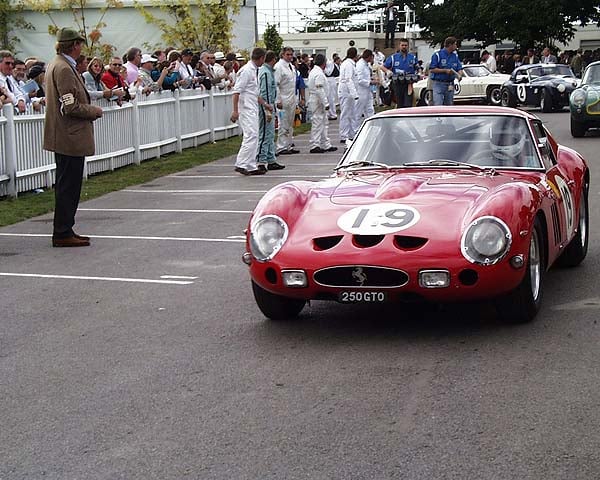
{"x": 69, "y": 133}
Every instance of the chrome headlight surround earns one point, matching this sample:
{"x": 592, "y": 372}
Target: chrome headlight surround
{"x": 486, "y": 241}
{"x": 267, "y": 236}
{"x": 578, "y": 98}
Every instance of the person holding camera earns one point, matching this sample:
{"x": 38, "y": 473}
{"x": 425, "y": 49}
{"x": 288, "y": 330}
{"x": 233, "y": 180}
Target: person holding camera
{"x": 69, "y": 133}
{"x": 402, "y": 67}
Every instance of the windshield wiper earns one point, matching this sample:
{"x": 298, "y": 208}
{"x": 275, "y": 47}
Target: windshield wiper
{"x": 442, "y": 162}
{"x": 363, "y": 163}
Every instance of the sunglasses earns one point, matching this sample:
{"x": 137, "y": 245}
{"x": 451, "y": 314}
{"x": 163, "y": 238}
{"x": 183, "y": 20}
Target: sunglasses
{"x": 117, "y": 64}
{"x": 9, "y": 63}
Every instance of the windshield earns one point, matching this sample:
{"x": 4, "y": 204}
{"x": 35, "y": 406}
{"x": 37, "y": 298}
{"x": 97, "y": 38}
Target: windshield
{"x": 476, "y": 71}
{"x": 485, "y": 140}
{"x": 550, "y": 70}
{"x": 592, "y": 75}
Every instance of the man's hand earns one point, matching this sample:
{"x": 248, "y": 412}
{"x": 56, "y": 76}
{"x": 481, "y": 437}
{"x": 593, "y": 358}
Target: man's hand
{"x": 234, "y": 117}
{"x": 269, "y": 107}
{"x": 279, "y": 105}
{"x": 97, "y": 111}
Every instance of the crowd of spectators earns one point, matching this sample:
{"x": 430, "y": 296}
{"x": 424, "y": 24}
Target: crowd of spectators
{"x": 122, "y": 78}
{"x": 506, "y": 61}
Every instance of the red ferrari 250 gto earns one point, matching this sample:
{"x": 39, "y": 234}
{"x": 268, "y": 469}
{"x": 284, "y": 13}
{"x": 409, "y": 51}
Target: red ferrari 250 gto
{"x": 437, "y": 203}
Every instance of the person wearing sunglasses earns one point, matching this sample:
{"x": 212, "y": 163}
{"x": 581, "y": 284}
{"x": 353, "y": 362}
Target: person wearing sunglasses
{"x": 13, "y": 93}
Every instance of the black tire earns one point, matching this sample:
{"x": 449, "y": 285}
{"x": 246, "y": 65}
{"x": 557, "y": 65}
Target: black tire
{"x": 577, "y": 248}
{"x": 578, "y": 129}
{"x": 426, "y": 97}
{"x": 507, "y": 98}
{"x": 494, "y": 95}
{"x": 523, "y": 303}
{"x": 276, "y": 307}
{"x": 545, "y": 101}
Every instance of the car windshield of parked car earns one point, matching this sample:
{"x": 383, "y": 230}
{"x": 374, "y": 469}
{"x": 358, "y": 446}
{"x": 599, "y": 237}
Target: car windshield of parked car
{"x": 476, "y": 71}
{"x": 498, "y": 141}
{"x": 592, "y": 75}
{"x": 550, "y": 70}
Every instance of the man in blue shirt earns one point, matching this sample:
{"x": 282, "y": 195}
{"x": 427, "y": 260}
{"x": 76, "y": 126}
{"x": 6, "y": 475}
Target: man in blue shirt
{"x": 402, "y": 67}
{"x": 444, "y": 67}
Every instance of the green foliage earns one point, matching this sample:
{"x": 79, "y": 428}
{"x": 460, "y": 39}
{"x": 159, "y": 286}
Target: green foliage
{"x": 11, "y": 18}
{"x": 526, "y": 22}
{"x": 272, "y": 39}
{"x": 91, "y": 30}
{"x": 193, "y": 24}
{"x": 335, "y": 16}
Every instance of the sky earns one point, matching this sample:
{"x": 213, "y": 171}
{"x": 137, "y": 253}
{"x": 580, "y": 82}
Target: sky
{"x": 265, "y": 10}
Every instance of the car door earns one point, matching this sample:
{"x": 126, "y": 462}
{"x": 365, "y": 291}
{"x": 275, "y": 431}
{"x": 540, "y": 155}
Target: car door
{"x": 523, "y": 86}
{"x": 560, "y": 191}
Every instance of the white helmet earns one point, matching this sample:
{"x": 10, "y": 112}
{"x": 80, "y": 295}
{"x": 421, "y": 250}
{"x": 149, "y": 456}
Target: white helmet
{"x": 507, "y": 145}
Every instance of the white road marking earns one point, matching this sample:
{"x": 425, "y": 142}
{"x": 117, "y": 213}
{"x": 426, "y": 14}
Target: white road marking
{"x": 105, "y": 279}
{"x": 159, "y": 210}
{"x": 178, "y": 277}
{"x": 235, "y": 176}
{"x": 132, "y": 237}
{"x": 235, "y": 192}
{"x": 237, "y": 236}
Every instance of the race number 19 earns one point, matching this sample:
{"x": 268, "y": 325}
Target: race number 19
{"x": 378, "y": 219}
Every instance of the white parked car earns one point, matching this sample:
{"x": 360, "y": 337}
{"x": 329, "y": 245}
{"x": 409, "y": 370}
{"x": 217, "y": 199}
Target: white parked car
{"x": 478, "y": 84}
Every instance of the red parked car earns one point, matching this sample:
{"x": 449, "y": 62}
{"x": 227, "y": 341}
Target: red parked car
{"x": 435, "y": 203}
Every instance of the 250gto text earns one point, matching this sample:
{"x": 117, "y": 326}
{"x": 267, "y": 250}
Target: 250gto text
{"x": 357, "y": 297}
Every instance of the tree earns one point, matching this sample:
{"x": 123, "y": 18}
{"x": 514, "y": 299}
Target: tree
{"x": 193, "y": 24}
{"x": 91, "y": 30}
{"x": 272, "y": 39}
{"x": 11, "y": 18}
{"x": 335, "y": 16}
{"x": 526, "y": 22}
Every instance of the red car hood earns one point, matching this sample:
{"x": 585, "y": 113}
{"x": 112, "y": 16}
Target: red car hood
{"x": 445, "y": 201}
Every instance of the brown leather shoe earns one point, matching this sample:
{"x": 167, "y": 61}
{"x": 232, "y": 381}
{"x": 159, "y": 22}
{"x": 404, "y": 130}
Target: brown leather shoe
{"x": 70, "y": 242}
{"x": 81, "y": 237}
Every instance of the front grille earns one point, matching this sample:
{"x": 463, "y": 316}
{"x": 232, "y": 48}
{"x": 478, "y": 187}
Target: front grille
{"x": 360, "y": 276}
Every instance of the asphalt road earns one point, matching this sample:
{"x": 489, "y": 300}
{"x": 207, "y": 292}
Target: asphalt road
{"x": 145, "y": 356}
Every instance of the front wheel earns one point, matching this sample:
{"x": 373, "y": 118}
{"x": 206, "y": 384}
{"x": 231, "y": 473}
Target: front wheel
{"x": 494, "y": 95}
{"x": 545, "y": 101}
{"x": 523, "y": 303}
{"x": 276, "y": 307}
{"x": 578, "y": 129}
{"x": 507, "y": 99}
{"x": 426, "y": 97}
{"x": 577, "y": 248}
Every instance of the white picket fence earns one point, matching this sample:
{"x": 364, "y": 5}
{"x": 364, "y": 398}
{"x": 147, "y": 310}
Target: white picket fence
{"x": 145, "y": 128}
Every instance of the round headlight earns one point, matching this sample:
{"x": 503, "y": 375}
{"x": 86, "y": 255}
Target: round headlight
{"x": 578, "y": 98}
{"x": 486, "y": 241}
{"x": 561, "y": 87}
{"x": 267, "y": 236}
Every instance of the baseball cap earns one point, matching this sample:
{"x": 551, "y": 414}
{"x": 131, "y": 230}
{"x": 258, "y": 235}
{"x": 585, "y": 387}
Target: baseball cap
{"x": 187, "y": 51}
{"x": 67, "y": 34}
{"x": 148, "y": 58}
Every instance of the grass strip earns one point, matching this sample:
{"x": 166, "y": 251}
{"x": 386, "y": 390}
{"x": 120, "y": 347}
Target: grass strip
{"x": 30, "y": 204}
